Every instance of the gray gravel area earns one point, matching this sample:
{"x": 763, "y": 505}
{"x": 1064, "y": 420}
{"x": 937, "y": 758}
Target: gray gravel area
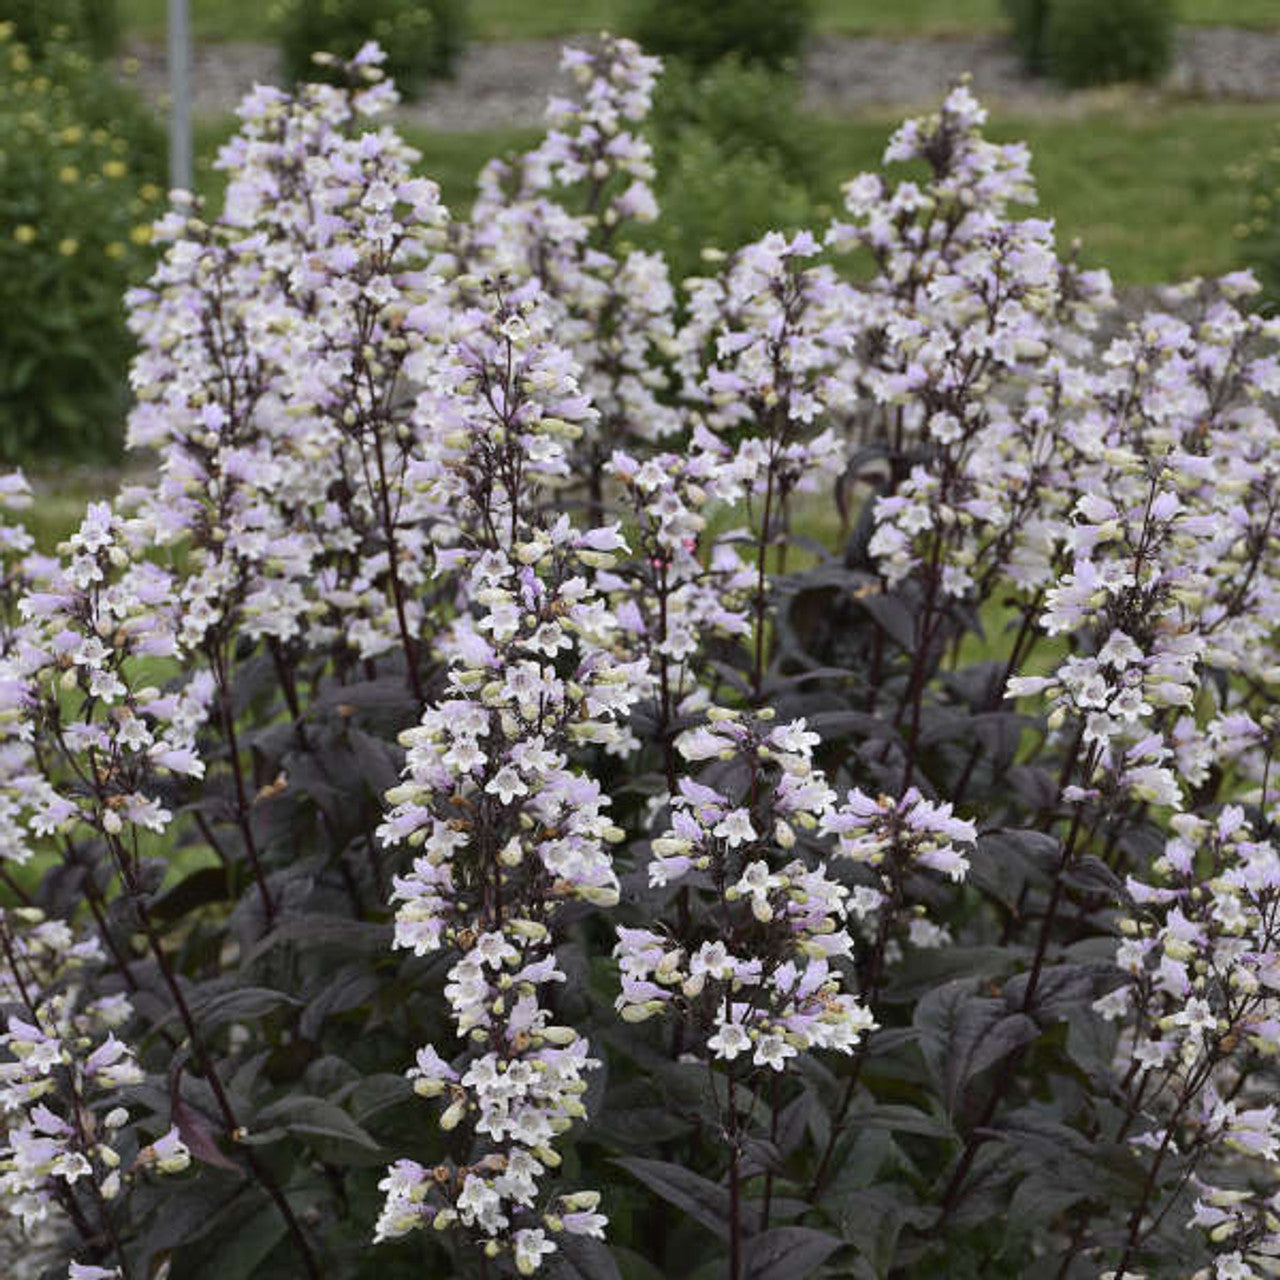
{"x": 507, "y": 84}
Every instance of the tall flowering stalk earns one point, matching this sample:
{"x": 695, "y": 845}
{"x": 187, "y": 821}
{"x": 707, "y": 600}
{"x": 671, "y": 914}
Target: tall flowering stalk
{"x": 66, "y": 1155}
{"x": 561, "y": 215}
{"x": 753, "y": 971}
{"x": 510, "y": 834}
{"x": 111, "y": 741}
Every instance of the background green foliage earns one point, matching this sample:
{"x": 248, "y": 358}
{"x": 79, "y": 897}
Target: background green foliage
{"x": 1089, "y": 42}
{"x": 764, "y": 31}
{"x": 93, "y": 23}
{"x": 422, "y": 38}
{"x": 1257, "y": 180}
{"x": 1027, "y": 19}
{"x": 81, "y": 173}
{"x": 530, "y": 19}
{"x": 734, "y": 157}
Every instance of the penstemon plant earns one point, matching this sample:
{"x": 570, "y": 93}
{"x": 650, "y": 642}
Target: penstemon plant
{"x": 567, "y": 771}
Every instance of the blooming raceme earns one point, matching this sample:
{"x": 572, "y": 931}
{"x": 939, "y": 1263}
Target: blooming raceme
{"x": 98, "y": 618}
{"x": 766, "y": 986}
{"x": 59, "y": 1083}
{"x": 505, "y": 828}
{"x": 560, "y": 215}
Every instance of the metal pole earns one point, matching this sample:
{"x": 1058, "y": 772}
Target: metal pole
{"x": 181, "y": 174}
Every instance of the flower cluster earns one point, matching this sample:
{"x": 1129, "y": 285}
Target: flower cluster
{"x": 102, "y": 622}
{"x": 766, "y": 984}
{"x": 960, "y": 338}
{"x": 507, "y": 830}
{"x": 281, "y": 407}
{"x": 64, "y": 1065}
{"x": 894, "y": 839}
{"x": 1201, "y": 960}
{"x": 559, "y": 215}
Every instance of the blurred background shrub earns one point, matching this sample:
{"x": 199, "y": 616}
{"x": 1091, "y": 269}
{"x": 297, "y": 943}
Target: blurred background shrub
{"x": 81, "y": 178}
{"x": 734, "y": 158}
{"x": 1026, "y": 23}
{"x": 1092, "y": 42}
{"x": 1258, "y": 180}
{"x": 701, "y": 32}
{"x": 92, "y": 24}
{"x": 422, "y": 38}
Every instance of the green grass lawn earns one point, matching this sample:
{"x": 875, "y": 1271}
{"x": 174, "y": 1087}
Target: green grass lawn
{"x": 956, "y": 17}
{"x": 1143, "y": 186}
{"x": 1141, "y": 182}
{"x": 529, "y": 19}
{"x": 210, "y": 19}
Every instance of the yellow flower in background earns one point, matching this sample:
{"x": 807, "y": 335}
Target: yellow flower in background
{"x": 140, "y": 235}
{"x": 19, "y": 61}
{"x": 69, "y": 174}
{"x": 114, "y": 250}
{"x": 114, "y": 169}
{"x": 68, "y": 246}
{"x": 24, "y": 234}
{"x": 72, "y": 133}
{"x": 6, "y": 31}
{"x": 149, "y": 191}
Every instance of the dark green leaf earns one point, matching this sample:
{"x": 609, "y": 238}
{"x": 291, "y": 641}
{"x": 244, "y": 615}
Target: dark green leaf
{"x": 245, "y": 1004}
{"x": 901, "y": 1119}
{"x": 338, "y": 932}
{"x": 638, "y": 1126}
{"x": 787, "y": 1253}
{"x": 704, "y": 1201}
{"x": 316, "y": 1118}
{"x": 582, "y": 1258}
{"x": 963, "y": 1034}
{"x": 239, "y": 1253}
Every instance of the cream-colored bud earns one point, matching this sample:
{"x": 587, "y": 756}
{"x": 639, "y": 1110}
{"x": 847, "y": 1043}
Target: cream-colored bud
{"x": 671, "y": 847}
{"x": 530, "y": 929}
{"x": 639, "y": 1012}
